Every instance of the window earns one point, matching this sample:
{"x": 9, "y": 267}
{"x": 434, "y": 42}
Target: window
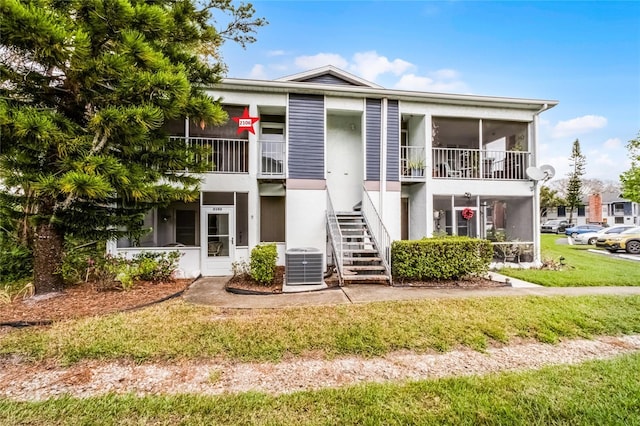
{"x": 242, "y": 219}
{"x": 562, "y": 211}
{"x": 272, "y": 219}
{"x": 618, "y": 220}
{"x": 217, "y": 198}
{"x": 186, "y": 227}
{"x": 581, "y": 211}
{"x": 618, "y": 209}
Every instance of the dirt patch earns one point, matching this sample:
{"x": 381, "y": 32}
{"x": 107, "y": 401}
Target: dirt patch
{"x": 84, "y": 300}
{"x": 474, "y": 282}
{"x": 21, "y": 381}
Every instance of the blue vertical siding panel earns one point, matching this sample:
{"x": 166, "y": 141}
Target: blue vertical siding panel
{"x": 373, "y": 133}
{"x": 393, "y": 141}
{"x": 306, "y": 136}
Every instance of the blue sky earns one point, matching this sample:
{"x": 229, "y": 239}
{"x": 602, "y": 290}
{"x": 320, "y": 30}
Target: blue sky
{"x": 586, "y": 55}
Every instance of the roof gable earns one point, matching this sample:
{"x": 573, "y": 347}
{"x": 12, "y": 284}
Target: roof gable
{"x": 329, "y": 75}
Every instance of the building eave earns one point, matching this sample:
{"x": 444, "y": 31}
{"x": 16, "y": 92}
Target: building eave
{"x": 264, "y": 86}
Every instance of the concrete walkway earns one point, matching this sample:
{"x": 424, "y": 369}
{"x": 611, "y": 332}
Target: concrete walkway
{"x": 210, "y": 291}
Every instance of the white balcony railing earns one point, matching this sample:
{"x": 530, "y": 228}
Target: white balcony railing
{"x": 222, "y": 155}
{"x": 460, "y": 163}
{"x": 271, "y": 159}
{"x": 412, "y": 163}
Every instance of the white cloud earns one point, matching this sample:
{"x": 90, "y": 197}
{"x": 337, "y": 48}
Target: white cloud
{"x": 369, "y": 65}
{"x": 445, "y": 74}
{"x": 578, "y": 125}
{"x": 428, "y": 84}
{"x": 612, "y": 143}
{"x": 320, "y": 60}
{"x": 258, "y": 72}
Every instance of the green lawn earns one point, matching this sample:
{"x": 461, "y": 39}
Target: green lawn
{"x": 592, "y": 393}
{"x": 582, "y": 268}
{"x": 178, "y": 330}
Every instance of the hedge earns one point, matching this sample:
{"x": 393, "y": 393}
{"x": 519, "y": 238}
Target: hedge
{"x": 446, "y": 258}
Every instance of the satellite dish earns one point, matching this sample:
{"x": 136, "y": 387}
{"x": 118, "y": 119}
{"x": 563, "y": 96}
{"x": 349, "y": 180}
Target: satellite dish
{"x": 535, "y": 173}
{"x": 548, "y": 171}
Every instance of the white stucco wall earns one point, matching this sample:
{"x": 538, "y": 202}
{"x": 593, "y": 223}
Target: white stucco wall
{"x": 391, "y": 215}
{"x": 306, "y": 219}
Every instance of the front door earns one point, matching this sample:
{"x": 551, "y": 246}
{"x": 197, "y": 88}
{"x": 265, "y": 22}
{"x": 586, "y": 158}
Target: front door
{"x": 217, "y": 236}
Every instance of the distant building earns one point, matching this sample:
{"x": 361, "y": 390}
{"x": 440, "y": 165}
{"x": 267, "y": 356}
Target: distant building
{"x": 607, "y": 207}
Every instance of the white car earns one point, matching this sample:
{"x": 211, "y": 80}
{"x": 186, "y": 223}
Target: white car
{"x": 591, "y": 237}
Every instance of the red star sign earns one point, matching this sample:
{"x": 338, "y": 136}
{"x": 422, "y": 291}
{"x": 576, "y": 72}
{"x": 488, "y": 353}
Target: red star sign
{"x": 245, "y": 122}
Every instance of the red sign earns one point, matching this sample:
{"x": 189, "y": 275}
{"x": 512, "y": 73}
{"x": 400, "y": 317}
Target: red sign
{"x": 245, "y": 122}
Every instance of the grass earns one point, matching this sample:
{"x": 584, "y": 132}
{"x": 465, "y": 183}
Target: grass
{"x": 177, "y": 330}
{"x": 583, "y": 268}
{"x": 12, "y": 290}
{"x": 592, "y": 393}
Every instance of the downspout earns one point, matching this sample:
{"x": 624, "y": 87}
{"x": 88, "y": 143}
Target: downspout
{"x": 536, "y": 192}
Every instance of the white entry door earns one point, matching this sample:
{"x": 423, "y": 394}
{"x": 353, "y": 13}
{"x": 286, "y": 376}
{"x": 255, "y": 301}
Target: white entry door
{"x": 217, "y": 236}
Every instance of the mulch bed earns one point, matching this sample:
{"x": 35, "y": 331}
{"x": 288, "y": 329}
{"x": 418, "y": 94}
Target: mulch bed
{"x": 244, "y": 284}
{"x": 84, "y": 300}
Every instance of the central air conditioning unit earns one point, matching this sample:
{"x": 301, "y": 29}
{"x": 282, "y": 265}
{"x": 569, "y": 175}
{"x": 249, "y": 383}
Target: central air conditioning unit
{"x": 303, "y": 266}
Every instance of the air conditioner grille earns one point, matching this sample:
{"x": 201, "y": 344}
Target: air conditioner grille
{"x": 303, "y": 266}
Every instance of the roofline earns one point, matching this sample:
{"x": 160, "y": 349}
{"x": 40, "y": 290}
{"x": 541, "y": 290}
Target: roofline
{"x": 334, "y": 71}
{"x": 275, "y": 86}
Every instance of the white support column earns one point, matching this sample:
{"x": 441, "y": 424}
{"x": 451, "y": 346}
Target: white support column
{"x": 477, "y": 216}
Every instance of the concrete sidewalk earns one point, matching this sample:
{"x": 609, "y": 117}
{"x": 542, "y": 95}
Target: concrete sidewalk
{"x": 210, "y": 291}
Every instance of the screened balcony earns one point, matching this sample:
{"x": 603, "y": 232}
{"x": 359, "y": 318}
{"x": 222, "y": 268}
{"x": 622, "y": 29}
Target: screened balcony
{"x": 222, "y": 155}
{"x": 460, "y": 163}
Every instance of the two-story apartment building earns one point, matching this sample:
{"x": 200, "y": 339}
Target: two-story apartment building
{"x": 340, "y": 167}
{"x": 607, "y": 207}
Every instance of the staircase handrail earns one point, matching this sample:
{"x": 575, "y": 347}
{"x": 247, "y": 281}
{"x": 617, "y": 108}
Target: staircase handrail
{"x": 379, "y": 232}
{"x": 335, "y": 236}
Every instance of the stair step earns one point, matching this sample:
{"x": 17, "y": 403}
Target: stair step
{"x": 362, "y": 259}
{"x": 362, "y": 251}
{"x": 348, "y": 213}
{"x": 353, "y": 231}
{"x": 379, "y": 278}
{"x": 364, "y": 267}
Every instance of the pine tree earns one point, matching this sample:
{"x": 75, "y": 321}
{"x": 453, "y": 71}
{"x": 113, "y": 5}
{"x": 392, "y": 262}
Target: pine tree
{"x": 85, "y": 88}
{"x": 574, "y": 185}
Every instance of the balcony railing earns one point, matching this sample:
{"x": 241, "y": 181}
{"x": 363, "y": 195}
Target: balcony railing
{"x": 460, "y": 163}
{"x": 222, "y": 155}
{"x": 412, "y": 163}
{"x": 271, "y": 159}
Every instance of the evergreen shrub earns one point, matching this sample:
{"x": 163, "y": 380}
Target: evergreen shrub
{"x": 447, "y": 258}
{"x": 262, "y": 264}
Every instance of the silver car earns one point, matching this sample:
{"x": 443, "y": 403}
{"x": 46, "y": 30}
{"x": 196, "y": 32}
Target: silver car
{"x": 590, "y": 238}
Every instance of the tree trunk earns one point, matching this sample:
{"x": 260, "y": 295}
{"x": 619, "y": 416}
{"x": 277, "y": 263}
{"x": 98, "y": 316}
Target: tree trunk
{"x": 47, "y": 259}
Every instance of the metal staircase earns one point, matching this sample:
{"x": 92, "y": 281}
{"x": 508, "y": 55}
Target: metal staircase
{"x": 361, "y": 259}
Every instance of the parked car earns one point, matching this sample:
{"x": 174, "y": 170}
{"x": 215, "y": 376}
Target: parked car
{"x": 555, "y": 226}
{"x": 628, "y": 240}
{"x": 590, "y": 238}
{"x": 582, "y": 229}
